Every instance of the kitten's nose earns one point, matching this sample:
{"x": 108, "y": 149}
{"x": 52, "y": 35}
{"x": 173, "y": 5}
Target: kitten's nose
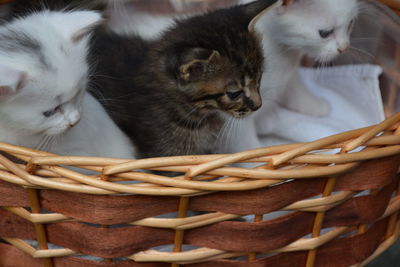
{"x": 342, "y": 49}
{"x": 254, "y": 102}
{"x": 254, "y": 105}
{"x": 72, "y": 124}
{"x": 74, "y": 119}
{"x": 75, "y": 122}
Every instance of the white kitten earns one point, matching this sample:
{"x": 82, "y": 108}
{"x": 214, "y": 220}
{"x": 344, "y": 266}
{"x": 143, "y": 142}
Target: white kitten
{"x": 319, "y": 29}
{"x": 43, "y": 80}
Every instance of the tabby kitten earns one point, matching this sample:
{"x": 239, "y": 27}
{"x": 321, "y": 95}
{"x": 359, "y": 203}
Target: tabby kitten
{"x": 171, "y": 96}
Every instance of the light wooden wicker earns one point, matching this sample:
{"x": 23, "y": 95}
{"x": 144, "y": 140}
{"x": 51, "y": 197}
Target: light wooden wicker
{"x": 344, "y": 206}
{"x": 321, "y": 192}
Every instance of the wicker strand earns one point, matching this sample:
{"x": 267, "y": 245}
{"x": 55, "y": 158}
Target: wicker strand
{"x": 259, "y": 217}
{"x": 319, "y": 218}
{"x": 253, "y": 256}
{"x": 39, "y": 228}
{"x": 393, "y": 218}
{"x": 393, "y": 88}
{"x": 41, "y": 235}
{"x": 385, "y": 125}
{"x": 179, "y": 234}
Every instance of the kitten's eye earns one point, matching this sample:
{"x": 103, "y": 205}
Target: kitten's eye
{"x": 234, "y": 95}
{"x": 325, "y": 34}
{"x": 52, "y": 112}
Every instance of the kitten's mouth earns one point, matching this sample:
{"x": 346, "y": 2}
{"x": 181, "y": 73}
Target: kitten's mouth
{"x": 56, "y": 131}
{"x": 327, "y": 58}
{"x": 241, "y": 113}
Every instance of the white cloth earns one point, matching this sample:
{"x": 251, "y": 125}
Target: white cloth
{"x": 353, "y": 93}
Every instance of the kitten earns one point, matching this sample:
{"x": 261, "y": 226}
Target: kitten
{"x": 172, "y": 95}
{"x": 318, "y": 29}
{"x": 43, "y": 79}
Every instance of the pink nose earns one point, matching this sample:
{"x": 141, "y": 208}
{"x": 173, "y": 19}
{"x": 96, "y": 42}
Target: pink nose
{"x": 72, "y": 124}
{"x": 342, "y": 49}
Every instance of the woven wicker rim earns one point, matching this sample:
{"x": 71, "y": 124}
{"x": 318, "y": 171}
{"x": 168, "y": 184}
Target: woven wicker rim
{"x": 297, "y": 161}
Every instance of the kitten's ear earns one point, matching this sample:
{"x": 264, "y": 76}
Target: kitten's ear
{"x": 255, "y": 10}
{"x": 196, "y": 62}
{"x": 76, "y": 24}
{"x": 11, "y": 81}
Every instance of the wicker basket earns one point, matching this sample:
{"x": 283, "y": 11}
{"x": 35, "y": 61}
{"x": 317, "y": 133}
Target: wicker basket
{"x": 344, "y": 207}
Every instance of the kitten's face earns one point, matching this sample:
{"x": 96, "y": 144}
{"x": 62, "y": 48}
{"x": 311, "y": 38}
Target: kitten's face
{"x": 214, "y": 82}
{"x": 238, "y": 95}
{"x": 46, "y": 105}
{"x": 216, "y": 59}
{"x": 319, "y": 28}
{"x": 43, "y": 72}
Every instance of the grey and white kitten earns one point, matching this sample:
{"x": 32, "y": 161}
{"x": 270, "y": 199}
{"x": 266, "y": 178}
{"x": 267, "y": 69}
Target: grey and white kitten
{"x": 44, "y": 74}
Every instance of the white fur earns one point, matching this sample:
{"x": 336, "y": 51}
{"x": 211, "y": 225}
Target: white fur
{"x": 54, "y": 78}
{"x": 142, "y": 24}
{"x": 291, "y": 32}
{"x": 124, "y": 19}
{"x": 95, "y": 135}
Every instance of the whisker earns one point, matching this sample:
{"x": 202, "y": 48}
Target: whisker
{"x": 363, "y": 52}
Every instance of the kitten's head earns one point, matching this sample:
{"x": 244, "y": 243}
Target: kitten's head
{"x": 319, "y": 28}
{"x": 43, "y": 70}
{"x": 215, "y": 60}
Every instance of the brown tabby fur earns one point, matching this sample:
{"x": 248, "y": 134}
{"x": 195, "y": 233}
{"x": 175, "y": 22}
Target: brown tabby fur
{"x": 172, "y": 95}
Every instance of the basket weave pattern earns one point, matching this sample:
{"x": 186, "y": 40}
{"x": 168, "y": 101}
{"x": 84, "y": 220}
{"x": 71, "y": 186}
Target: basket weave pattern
{"x": 321, "y": 193}
{"x": 344, "y": 206}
